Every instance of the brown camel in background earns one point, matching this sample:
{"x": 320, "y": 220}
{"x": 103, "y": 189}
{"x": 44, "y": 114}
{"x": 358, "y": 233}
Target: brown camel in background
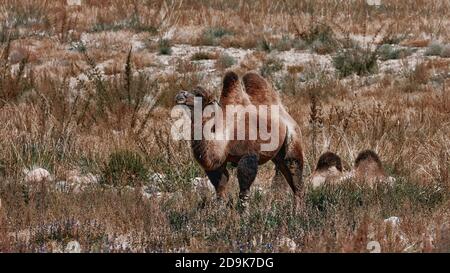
{"x": 367, "y": 168}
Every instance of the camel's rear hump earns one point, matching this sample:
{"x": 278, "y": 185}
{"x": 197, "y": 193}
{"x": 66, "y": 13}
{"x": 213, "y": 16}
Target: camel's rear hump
{"x": 328, "y": 160}
{"x": 259, "y": 90}
{"x": 368, "y": 166}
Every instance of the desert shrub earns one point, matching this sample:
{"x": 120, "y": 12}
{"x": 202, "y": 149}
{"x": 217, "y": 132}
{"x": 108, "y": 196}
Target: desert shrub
{"x": 416, "y": 78}
{"x": 78, "y": 46}
{"x": 283, "y": 44}
{"x": 288, "y": 84}
{"x": 32, "y": 153}
{"x": 173, "y": 84}
{"x": 355, "y": 60}
{"x": 393, "y": 39}
{"x": 295, "y": 69}
{"x": 270, "y": 66}
{"x": 116, "y": 100}
{"x": 164, "y": 47}
{"x": 445, "y": 51}
{"x": 178, "y": 220}
{"x": 116, "y": 25}
{"x": 14, "y": 84}
{"x": 27, "y": 14}
{"x": 202, "y": 55}
{"x": 7, "y": 34}
{"x": 388, "y": 52}
{"x": 176, "y": 166}
{"x": 420, "y": 74}
{"x": 133, "y": 22}
{"x": 434, "y": 49}
{"x": 320, "y": 38}
{"x": 225, "y": 61}
{"x": 265, "y": 45}
{"x": 324, "y": 88}
{"x": 124, "y": 168}
{"x": 212, "y": 36}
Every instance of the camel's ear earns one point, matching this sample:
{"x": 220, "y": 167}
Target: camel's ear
{"x": 205, "y": 94}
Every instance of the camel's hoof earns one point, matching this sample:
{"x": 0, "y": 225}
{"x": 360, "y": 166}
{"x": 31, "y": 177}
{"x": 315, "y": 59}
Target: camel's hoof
{"x": 243, "y": 202}
{"x": 225, "y": 202}
{"x": 243, "y": 208}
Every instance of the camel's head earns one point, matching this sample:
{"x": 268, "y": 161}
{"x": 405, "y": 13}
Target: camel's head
{"x": 187, "y": 98}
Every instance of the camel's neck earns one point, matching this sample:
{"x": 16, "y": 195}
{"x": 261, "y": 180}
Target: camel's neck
{"x": 209, "y": 149}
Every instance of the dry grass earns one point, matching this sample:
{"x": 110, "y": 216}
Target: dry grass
{"x": 88, "y": 90}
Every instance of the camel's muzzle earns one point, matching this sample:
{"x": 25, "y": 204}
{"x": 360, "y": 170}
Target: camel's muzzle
{"x": 181, "y": 98}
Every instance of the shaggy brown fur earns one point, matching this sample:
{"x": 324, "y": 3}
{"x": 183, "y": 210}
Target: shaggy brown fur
{"x": 327, "y": 160}
{"x": 258, "y": 90}
{"x": 367, "y": 168}
{"x": 368, "y": 156}
{"x": 328, "y": 169}
{"x": 246, "y": 154}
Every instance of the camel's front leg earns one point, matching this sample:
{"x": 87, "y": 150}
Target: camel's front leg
{"x": 219, "y": 178}
{"x": 246, "y": 173}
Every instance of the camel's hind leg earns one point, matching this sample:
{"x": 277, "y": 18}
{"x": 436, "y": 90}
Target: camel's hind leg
{"x": 291, "y": 169}
{"x": 289, "y": 161}
{"x": 219, "y": 178}
{"x": 246, "y": 173}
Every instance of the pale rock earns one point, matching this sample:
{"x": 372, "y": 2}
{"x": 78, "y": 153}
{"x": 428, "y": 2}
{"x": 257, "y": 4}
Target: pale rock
{"x": 260, "y": 190}
{"x": 286, "y": 243}
{"x": 22, "y": 236}
{"x": 394, "y": 221}
{"x": 55, "y": 247}
{"x": 83, "y": 179}
{"x": 203, "y": 183}
{"x": 63, "y": 186}
{"x": 76, "y": 182}
{"x": 373, "y": 2}
{"x": 169, "y": 34}
{"x": 150, "y": 192}
{"x": 73, "y": 247}
{"x": 157, "y": 178}
{"x": 390, "y": 181}
{"x": 73, "y": 2}
{"x": 137, "y": 45}
{"x": 37, "y": 175}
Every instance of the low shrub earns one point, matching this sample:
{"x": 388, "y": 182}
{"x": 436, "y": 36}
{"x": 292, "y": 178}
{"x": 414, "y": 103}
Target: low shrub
{"x": 355, "y": 60}
{"x": 124, "y": 168}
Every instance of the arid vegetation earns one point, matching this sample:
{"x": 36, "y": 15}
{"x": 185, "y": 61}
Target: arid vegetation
{"x": 87, "y": 158}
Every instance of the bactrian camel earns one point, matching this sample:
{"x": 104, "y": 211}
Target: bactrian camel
{"x": 246, "y": 154}
{"x": 367, "y": 169}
